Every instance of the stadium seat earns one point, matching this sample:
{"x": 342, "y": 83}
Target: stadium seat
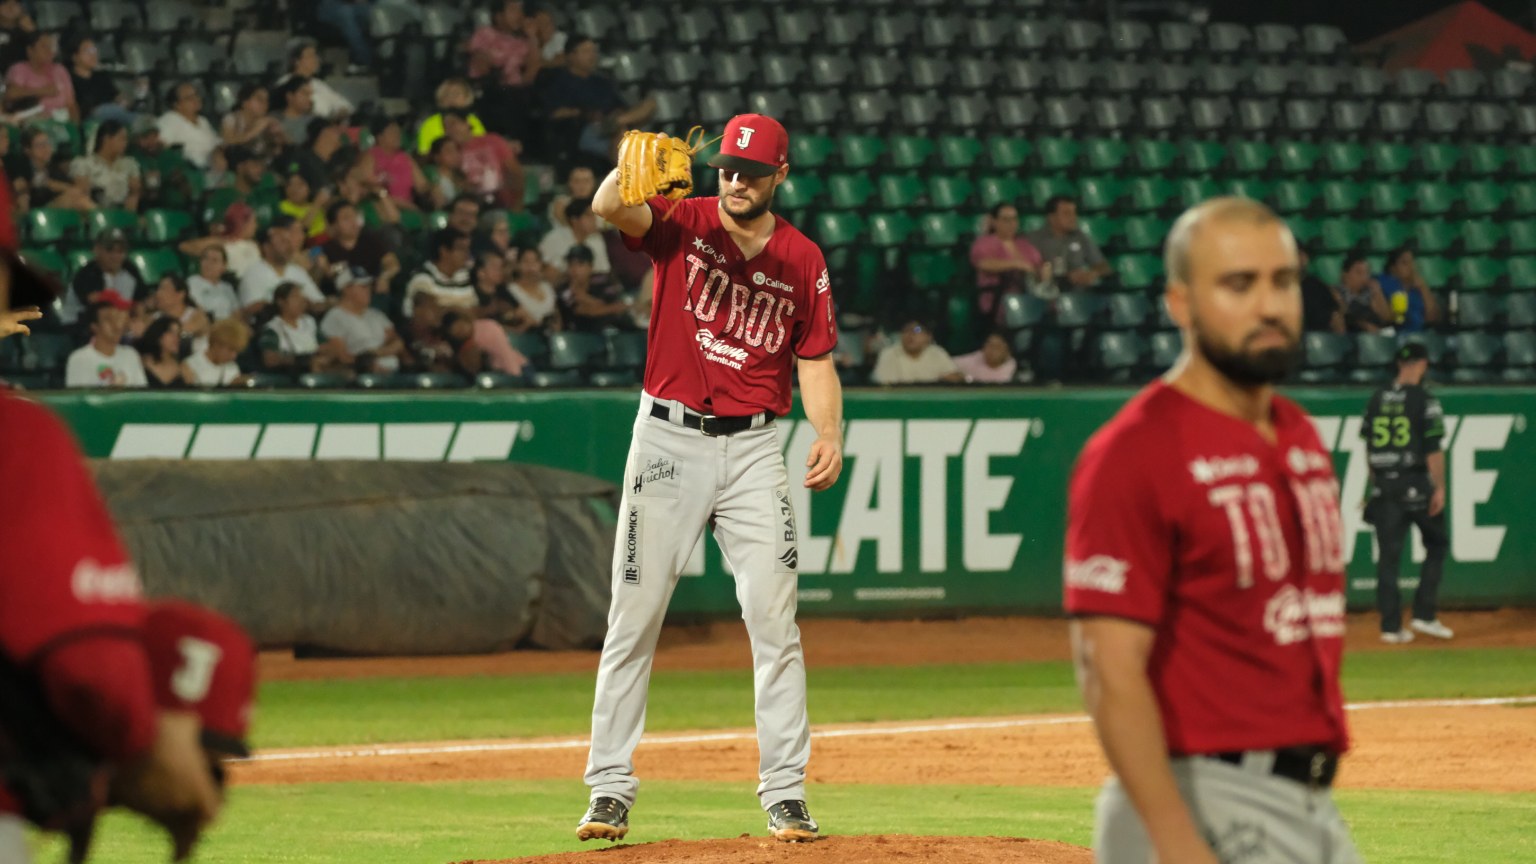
{"x": 835, "y": 230}
{"x": 1383, "y": 235}
{"x": 860, "y": 151}
{"x": 932, "y": 269}
{"x": 571, "y": 349}
{"x": 780, "y": 70}
{"x": 1519, "y": 358}
{"x": 1375, "y": 350}
{"x": 1129, "y": 311}
{"x": 1435, "y": 270}
{"x": 985, "y": 34}
{"x": 930, "y": 73}
{"x": 499, "y": 381}
{"x": 1487, "y": 160}
{"x": 1056, "y": 154}
{"x": 1166, "y": 347}
{"x": 1064, "y": 114}
{"x": 956, "y": 152}
{"x": 155, "y": 263}
{"x": 810, "y": 151}
{"x": 1437, "y": 159}
{"x": 1098, "y": 194}
{"x": 1482, "y": 236}
{"x": 1434, "y": 198}
{"x": 1106, "y": 155}
{"x": 1490, "y": 121}
{"x": 1143, "y": 234}
{"x": 1478, "y": 350}
{"x": 941, "y": 33}
{"x": 913, "y": 151}
{"x": 1367, "y": 82}
{"x": 822, "y": 110}
{"x": 1252, "y": 157}
{"x": 922, "y": 111}
{"x": 1349, "y": 117}
{"x": 1396, "y": 118}
{"x": 1482, "y": 198}
{"x": 1173, "y": 80}
{"x": 1444, "y": 118}
{"x": 625, "y": 350}
{"x": 1177, "y": 39}
{"x": 1210, "y": 116}
{"x": 746, "y": 27}
{"x": 1344, "y": 157}
{"x": 44, "y": 227}
{"x": 1127, "y": 78}
{"x": 953, "y": 192}
{"x": 1342, "y": 196}
{"x": 1139, "y": 272}
{"x": 1120, "y": 356}
{"x": 97, "y": 221}
{"x": 1292, "y": 196}
{"x": 322, "y": 381}
{"x": 1510, "y": 84}
{"x": 1479, "y": 274}
{"x": 799, "y": 191}
{"x": 614, "y": 378}
{"x": 1478, "y": 311}
{"x": 977, "y": 74}
{"x": 890, "y": 230}
{"x": 892, "y": 31}
{"x": 792, "y": 28}
{"x": 381, "y": 381}
{"x": 1039, "y": 188}
{"x": 1257, "y": 116}
{"x": 1152, "y": 194}
{"x": 1203, "y": 157}
{"x": 1325, "y": 350}
{"x": 1434, "y": 236}
{"x": 1339, "y": 234}
{"x": 557, "y": 378}
{"x": 1520, "y": 311}
{"x": 1305, "y": 115}
{"x": 1022, "y": 310}
{"x": 1155, "y": 157}
{"x": 1297, "y": 157}
{"x": 531, "y": 344}
{"x": 1078, "y": 309}
{"x": 1389, "y": 199}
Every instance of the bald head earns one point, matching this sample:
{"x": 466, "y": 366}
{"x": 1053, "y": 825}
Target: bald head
{"x": 1217, "y": 211}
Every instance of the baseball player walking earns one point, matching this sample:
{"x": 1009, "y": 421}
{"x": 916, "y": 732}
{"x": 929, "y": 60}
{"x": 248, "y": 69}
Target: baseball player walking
{"x": 1204, "y": 572}
{"x": 740, "y": 297}
{"x": 1403, "y": 428}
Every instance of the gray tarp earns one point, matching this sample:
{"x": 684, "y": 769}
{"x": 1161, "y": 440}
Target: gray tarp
{"x": 375, "y": 557}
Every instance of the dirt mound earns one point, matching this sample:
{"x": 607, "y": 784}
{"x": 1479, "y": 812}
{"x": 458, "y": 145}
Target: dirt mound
{"x": 872, "y": 849}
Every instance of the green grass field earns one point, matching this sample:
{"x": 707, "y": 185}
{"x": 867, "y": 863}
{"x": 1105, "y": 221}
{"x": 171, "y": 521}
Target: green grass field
{"x": 438, "y": 823}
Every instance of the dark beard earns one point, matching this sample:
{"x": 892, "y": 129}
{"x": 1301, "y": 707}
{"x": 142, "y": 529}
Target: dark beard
{"x": 1270, "y": 366}
{"x": 757, "y": 211}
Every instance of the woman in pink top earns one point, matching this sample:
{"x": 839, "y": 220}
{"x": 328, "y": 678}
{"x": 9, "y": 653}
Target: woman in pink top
{"x": 397, "y": 173}
{"x": 1005, "y": 262}
{"x": 42, "y": 79}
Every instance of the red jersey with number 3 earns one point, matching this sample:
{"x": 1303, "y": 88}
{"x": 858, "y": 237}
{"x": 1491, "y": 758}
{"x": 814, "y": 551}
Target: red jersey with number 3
{"x": 1230, "y": 548}
{"x": 724, "y": 329}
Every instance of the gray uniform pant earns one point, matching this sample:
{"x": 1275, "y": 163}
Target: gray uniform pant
{"x": 1248, "y": 815}
{"x": 13, "y": 840}
{"x": 676, "y": 481}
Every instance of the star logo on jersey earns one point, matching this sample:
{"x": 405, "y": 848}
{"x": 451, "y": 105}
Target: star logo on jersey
{"x": 699, "y": 244}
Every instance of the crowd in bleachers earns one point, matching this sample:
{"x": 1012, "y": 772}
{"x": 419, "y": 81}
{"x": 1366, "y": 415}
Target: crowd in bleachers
{"x": 353, "y": 191}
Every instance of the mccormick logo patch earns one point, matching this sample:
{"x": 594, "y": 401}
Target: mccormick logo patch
{"x": 631, "y": 563}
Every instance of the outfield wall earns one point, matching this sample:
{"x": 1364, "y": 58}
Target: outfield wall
{"x": 951, "y": 499}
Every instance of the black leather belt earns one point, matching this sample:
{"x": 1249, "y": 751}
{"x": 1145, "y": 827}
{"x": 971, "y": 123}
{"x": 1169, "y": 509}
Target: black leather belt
{"x": 709, "y": 424}
{"x": 1309, "y": 766}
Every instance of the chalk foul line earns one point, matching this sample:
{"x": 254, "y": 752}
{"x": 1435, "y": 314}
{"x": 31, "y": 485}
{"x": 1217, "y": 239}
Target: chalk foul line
{"x": 855, "y": 732}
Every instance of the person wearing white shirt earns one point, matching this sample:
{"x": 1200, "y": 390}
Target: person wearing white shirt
{"x": 580, "y": 229}
{"x": 915, "y": 360}
{"x": 214, "y": 366}
{"x": 291, "y": 341}
{"x": 210, "y": 290}
{"x": 274, "y": 268}
{"x": 304, "y": 61}
{"x": 993, "y": 363}
{"x": 362, "y": 329}
{"x": 185, "y": 125}
{"x": 447, "y": 275}
{"x": 103, "y": 362}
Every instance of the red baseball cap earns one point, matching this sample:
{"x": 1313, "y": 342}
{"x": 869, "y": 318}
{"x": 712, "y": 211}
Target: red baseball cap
{"x": 114, "y": 299}
{"x": 204, "y": 663}
{"x": 754, "y": 144}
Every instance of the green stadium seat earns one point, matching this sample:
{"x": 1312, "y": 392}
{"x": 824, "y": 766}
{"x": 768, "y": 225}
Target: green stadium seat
{"x": 1436, "y": 271}
{"x": 1166, "y": 348}
{"x": 1522, "y": 235}
{"x": 799, "y": 191}
{"x": 1434, "y": 198}
{"x": 380, "y": 381}
{"x": 900, "y": 191}
{"x": 1521, "y": 272}
{"x": 437, "y": 220}
{"x": 1294, "y": 196}
{"x": 97, "y": 221}
{"x": 1022, "y": 310}
{"x": 1384, "y": 235}
{"x": 888, "y": 230}
{"x": 1339, "y": 234}
{"x": 932, "y": 269}
{"x": 1524, "y": 157}
{"x": 499, "y": 381}
{"x": 155, "y": 263}
{"x": 1103, "y": 228}
{"x": 1434, "y": 236}
{"x": 268, "y": 381}
{"x": 1203, "y": 157}
{"x": 322, "y": 381}
{"x": 65, "y": 135}
{"x": 1107, "y": 154}
{"x": 952, "y": 192}
{"x": 860, "y": 151}
{"x": 1375, "y": 349}
{"x": 625, "y": 350}
{"x": 1252, "y": 157}
{"x": 811, "y": 151}
{"x": 1370, "y": 376}
{"x": 959, "y": 153}
{"x": 573, "y": 349}
{"x": 1520, "y": 311}
{"x": 613, "y": 378}
{"x": 1142, "y": 233}
{"x": 1152, "y": 194}
{"x": 1390, "y": 199}
{"x": 1438, "y": 160}
{"x": 1129, "y": 311}
{"x": 1098, "y": 194}
{"x": 1078, "y": 309}
{"x": 1193, "y": 190}
{"x": 1120, "y": 355}
{"x": 1391, "y": 160}
{"x": 1329, "y": 267}
{"x": 48, "y": 260}
{"x": 45, "y": 227}
{"x": 166, "y": 227}
{"x": 1481, "y": 236}
{"x": 1478, "y": 350}
{"x": 834, "y": 230}
{"x": 77, "y": 258}
{"x": 911, "y": 151}
{"x": 1157, "y": 157}
{"x": 1298, "y": 157}
{"x": 551, "y": 379}
{"x": 1488, "y": 160}
{"x": 1520, "y": 352}
{"x": 1482, "y": 199}
{"x": 1007, "y": 152}
{"x": 1257, "y": 188}
{"x": 1342, "y": 196}
{"x": 1055, "y": 154}
{"x": 1478, "y": 311}
{"x": 1039, "y": 189}
{"x": 1325, "y": 350}
{"x": 1522, "y": 199}
{"x": 531, "y": 344}
{"x": 946, "y": 229}
{"x": 1139, "y": 271}
{"x": 1479, "y": 274}
{"x": 1344, "y": 157}
{"x": 850, "y": 191}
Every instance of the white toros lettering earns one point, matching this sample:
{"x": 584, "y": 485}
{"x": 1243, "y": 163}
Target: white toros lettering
{"x": 1099, "y": 573}
{"x": 94, "y": 583}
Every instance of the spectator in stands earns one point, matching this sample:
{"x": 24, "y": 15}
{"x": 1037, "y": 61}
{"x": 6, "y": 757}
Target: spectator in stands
{"x": 494, "y": 236}
{"x": 108, "y": 271}
{"x": 350, "y": 18}
{"x": 394, "y": 169}
{"x": 185, "y": 126}
{"x": 250, "y": 125}
{"x": 15, "y": 24}
{"x": 322, "y": 158}
{"x": 1414, "y": 306}
{"x": 446, "y": 276}
{"x": 915, "y": 360}
{"x": 504, "y": 58}
{"x": 373, "y": 204}
{"x": 1006, "y": 263}
{"x": 215, "y": 366}
{"x": 104, "y": 361}
{"x": 489, "y": 164}
{"x": 39, "y": 80}
{"x": 1365, "y": 306}
{"x": 96, "y": 95}
{"x": 351, "y": 248}
{"x": 365, "y": 332}
{"x": 110, "y": 175}
{"x": 298, "y": 107}
{"x": 548, "y": 34}
{"x": 1322, "y": 308}
{"x": 160, "y": 351}
{"x": 580, "y": 183}
{"x": 993, "y": 363}
{"x": 240, "y": 247}
{"x": 464, "y": 214}
{"x": 455, "y": 94}
{"x": 253, "y": 184}
{"x": 171, "y": 299}
{"x": 41, "y": 180}
{"x": 492, "y": 299}
{"x": 170, "y": 181}
{"x": 534, "y": 296}
{"x": 444, "y": 176}
{"x": 580, "y": 230}
{"x": 585, "y": 106}
{"x": 304, "y": 62}
{"x": 307, "y": 210}
{"x": 1075, "y": 260}
{"x": 309, "y": 257}
{"x": 291, "y": 343}
{"x": 210, "y": 287}
{"x": 591, "y": 300}
{"x": 425, "y": 343}
{"x": 274, "y": 268}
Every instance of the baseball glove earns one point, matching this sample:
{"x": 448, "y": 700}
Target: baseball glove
{"x": 650, "y": 165}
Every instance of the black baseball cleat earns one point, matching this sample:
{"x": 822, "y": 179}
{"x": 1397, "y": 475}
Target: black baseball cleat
{"x": 790, "y": 822}
{"x": 607, "y": 819}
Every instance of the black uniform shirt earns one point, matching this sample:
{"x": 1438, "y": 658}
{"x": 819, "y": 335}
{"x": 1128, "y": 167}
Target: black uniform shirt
{"x": 1403, "y": 425}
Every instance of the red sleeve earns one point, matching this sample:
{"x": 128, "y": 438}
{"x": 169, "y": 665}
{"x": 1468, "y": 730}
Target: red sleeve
{"x": 8, "y": 239}
{"x": 816, "y": 333}
{"x": 99, "y": 686}
{"x": 662, "y": 239}
{"x": 1119, "y": 549}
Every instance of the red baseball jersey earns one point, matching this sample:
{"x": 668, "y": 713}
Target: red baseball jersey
{"x": 1230, "y": 548}
{"x": 724, "y": 328}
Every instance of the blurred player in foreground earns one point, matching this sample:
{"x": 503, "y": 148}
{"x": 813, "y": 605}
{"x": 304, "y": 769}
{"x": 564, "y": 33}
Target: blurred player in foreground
{"x": 1205, "y": 576}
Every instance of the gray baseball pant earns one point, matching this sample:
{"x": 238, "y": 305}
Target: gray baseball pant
{"x": 677, "y": 481}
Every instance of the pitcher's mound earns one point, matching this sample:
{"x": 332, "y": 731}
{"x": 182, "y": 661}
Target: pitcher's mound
{"x": 866, "y": 849}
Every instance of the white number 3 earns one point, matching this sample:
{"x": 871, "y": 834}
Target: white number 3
{"x": 199, "y": 658}
{"x": 746, "y": 135}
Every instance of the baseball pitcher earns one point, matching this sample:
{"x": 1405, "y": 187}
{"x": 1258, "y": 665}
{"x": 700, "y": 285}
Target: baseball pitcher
{"x": 741, "y": 296}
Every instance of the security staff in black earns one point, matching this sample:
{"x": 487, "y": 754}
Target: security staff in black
{"x": 1403, "y": 430}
